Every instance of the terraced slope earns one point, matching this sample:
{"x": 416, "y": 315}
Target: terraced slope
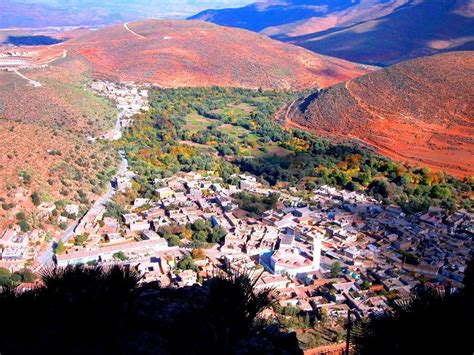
{"x": 420, "y": 111}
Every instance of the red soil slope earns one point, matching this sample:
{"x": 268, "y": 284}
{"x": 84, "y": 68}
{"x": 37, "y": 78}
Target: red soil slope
{"x": 193, "y": 53}
{"x": 420, "y": 111}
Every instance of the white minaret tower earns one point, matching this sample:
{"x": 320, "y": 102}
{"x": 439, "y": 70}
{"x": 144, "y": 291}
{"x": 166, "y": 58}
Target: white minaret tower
{"x": 316, "y": 252}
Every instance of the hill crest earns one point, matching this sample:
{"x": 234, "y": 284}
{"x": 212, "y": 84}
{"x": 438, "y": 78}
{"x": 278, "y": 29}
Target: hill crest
{"x": 194, "y": 53}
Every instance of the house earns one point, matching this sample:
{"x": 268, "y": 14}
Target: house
{"x": 123, "y": 183}
{"x": 290, "y": 263}
{"x": 352, "y": 252}
{"x": 72, "y": 209}
{"x": 140, "y": 202}
{"x": 139, "y": 226}
{"x": 187, "y": 278}
{"x": 130, "y": 218}
{"x": 164, "y": 192}
{"x": 45, "y": 210}
{"x": 14, "y": 253}
{"x": 248, "y": 182}
{"x": 105, "y": 253}
{"x": 148, "y": 234}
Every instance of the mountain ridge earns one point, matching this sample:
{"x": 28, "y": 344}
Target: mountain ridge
{"x": 365, "y": 31}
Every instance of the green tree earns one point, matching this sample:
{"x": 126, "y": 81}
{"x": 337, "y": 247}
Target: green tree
{"x": 186, "y": 263}
{"x": 217, "y": 233}
{"x": 199, "y": 225}
{"x": 36, "y": 199}
{"x": 200, "y": 236}
{"x": 5, "y": 277}
{"x": 24, "y": 226}
{"x": 120, "y": 255}
{"x": 335, "y": 269}
{"x": 60, "y": 248}
{"x": 80, "y": 239}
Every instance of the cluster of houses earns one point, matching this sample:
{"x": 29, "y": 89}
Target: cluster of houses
{"x": 129, "y": 98}
{"x": 382, "y": 253}
{"x": 334, "y": 251}
{"x": 17, "y": 247}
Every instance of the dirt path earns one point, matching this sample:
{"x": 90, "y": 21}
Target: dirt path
{"x": 64, "y": 55}
{"x": 131, "y": 31}
{"x": 34, "y": 83}
{"x": 287, "y": 122}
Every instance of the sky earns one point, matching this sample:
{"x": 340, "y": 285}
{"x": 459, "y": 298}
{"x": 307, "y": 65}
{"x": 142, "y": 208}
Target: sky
{"x": 39, "y": 13}
{"x": 154, "y": 6}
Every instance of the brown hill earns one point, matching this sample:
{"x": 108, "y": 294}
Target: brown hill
{"x": 193, "y": 53}
{"x": 420, "y": 111}
{"x": 43, "y": 134}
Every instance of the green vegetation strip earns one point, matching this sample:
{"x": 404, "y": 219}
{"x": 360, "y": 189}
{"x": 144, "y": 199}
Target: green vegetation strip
{"x": 238, "y": 128}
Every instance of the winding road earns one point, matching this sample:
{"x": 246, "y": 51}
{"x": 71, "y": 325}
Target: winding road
{"x": 34, "y": 83}
{"x": 132, "y": 31}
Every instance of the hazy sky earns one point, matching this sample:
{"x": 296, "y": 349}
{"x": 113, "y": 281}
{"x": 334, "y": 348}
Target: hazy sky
{"x": 39, "y": 13}
{"x": 200, "y": 4}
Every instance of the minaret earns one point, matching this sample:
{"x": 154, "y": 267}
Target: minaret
{"x": 316, "y": 252}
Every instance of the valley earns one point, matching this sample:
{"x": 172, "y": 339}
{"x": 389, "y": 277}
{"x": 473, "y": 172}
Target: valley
{"x": 284, "y": 184}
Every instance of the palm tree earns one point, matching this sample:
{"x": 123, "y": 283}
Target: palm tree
{"x": 78, "y": 309}
{"x": 429, "y": 322}
{"x": 96, "y": 310}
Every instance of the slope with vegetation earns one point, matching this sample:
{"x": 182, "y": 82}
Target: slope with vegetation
{"x": 419, "y": 111}
{"x": 43, "y": 141}
{"x": 193, "y": 53}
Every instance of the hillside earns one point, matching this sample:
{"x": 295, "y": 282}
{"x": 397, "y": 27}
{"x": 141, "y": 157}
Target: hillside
{"x": 365, "y": 31}
{"x": 43, "y": 139}
{"x": 298, "y": 16}
{"x": 192, "y": 53}
{"x": 419, "y": 111}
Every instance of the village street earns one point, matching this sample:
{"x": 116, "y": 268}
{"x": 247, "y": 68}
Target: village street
{"x": 46, "y": 259}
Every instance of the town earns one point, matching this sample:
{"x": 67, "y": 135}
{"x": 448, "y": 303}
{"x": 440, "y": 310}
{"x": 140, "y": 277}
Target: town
{"x": 336, "y": 251}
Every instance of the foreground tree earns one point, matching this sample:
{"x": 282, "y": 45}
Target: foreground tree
{"x": 430, "y": 322}
{"x": 95, "y": 310}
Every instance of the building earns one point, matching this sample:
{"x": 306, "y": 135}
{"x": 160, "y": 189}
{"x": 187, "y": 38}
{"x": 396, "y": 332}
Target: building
{"x": 164, "y": 192}
{"x": 293, "y": 263}
{"x": 106, "y": 253}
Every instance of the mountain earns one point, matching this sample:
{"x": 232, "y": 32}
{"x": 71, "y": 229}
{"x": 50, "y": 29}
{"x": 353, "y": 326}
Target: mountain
{"x": 380, "y": 32}
{"x": 419, "y": 111}
{"x": 47, "y": 13}
{"x": 194, "y": 53}
{"x": 270, "y": 15}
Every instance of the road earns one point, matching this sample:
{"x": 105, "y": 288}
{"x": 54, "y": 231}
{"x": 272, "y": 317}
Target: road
{"x": 46, "y": 259}
{"x": 34, "y": 83}
{"x": 115, "y": 133}
{"x": 64, "y": 55}
{"x": 132, "y": 31}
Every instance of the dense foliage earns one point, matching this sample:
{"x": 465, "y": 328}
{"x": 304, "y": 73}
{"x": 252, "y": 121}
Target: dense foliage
{"x": 230, "y": 130}
{"x": 8, "y": 279}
